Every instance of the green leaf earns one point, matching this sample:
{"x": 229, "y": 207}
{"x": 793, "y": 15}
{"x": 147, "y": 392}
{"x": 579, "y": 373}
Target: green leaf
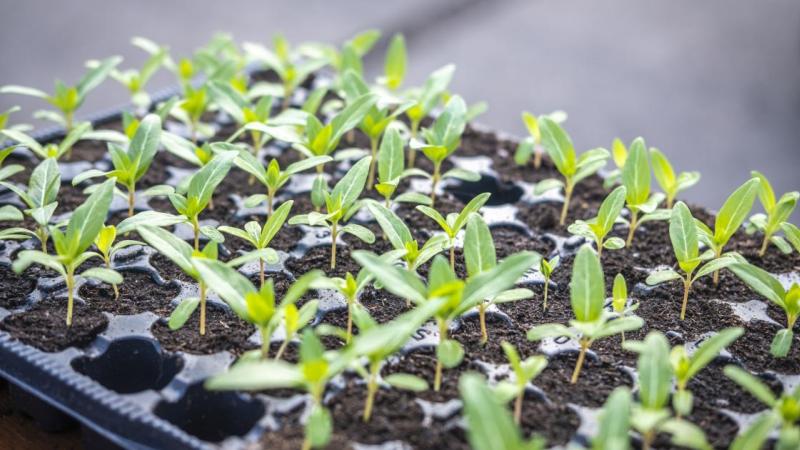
{"x": 205, "y": 181}
{"x": 499, "y": 278}
{"x": 686, "y": 434}
{"x": 683, "y": 234}
{"x": 490, "y": 426}
{"x": 256, "y": 376}
{"x": 394, "y": 279}
{"x": 151, "y": 218}
{"x": 462, "y": 174}
{"x": 391, "y": 158}
{"x": 636, "y": 174}
{"x": 352, "y": 183}
{"x": 614, "y": 422}
{"x": 395, "y": 65}
{"x": 407, "y": 382}
{"x": 710, "y": 348}
{"x": 479, "y": 251}
{"x": 751, "y": 384}
{"x": 319, "y": 427}
{"x": 361, "y": 232}
{"x": 44, "y": 183}
{"x": 765, "y": 192}
{"x": 734, "y": 211}
{"x": 10, "y": 213}
{"x": 792, "y": 234}
{"x": 472, "y": 207}
{"x": 103, "y": 274}
{"x": 756, "y": 434}
{"x": 393, "y": 226}
{"x": 549, "y": 330}
{"x": 87, "y": 220}
{"x": 662, "y": 276}
{"x": 182, "y": 312}
{"x": 351, "y": 116}
{"x": 760, "y": 281}
{"x": 95, "y": 76}
{"x": 275, "y": 222}
{"x": 655, "y": 372}
{"x": 229, "y": 284}
{"x": 665, "y": 174}
{"x": 781, "y": 343}
{"x": 558, "y": 146}
{"x": 144, "y": 145}
{"x": 169, "y": 245}
{"x": 610, "y": 209}
{"x": 587, "y": 286}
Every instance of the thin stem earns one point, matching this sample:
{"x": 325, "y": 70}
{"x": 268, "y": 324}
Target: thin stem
{"x": 131, "y": 198}
{"x": 453, "y": 256}
{"x": 255, "y": 135}
{"x": 518, "y": 407}
{"x": 763, "y": 250}
{"x": 632, "y": 228}
{"x": 412, "y": 152}
{"x": 334, "y": 233}
{"x": 717, "y": 254}
{"x": 599, "y": 243}
{"x": 435, "y": 182}
{"x": 567, "y": 197}
{"x": 482, "y": 316}
{"x": 579, "y": 365}
{"x": 265, "y": 335}
{"x": 437, "y": 379}
{"x": 270, "y": 199}
{"x": 537, "y": 158}
{"x": 287, "y": 96}
{"x": 282, "y": 348}
{"x": 546, "y": 288}
{"x": 349, "y": 320}
{"x": 196, "y": 229}
{"x": 41, "y": 233}
{"x": 113, "y": 285}
{"x": 70, "y": 279}
{"x": 372, "y": 389}
{"x": 211, "y": 203}
{"x": 687, "y": 285}
{"x": 647, "y": 440}
{"x": 623, "y": 337}
{"x": 373, "y": 143}
{"x": 202, "y": 308}
{"x": 261, "y": 271}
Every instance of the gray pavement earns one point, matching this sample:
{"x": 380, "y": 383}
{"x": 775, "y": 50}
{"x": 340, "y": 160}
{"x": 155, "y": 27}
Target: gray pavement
{"x": 714, "y": 83}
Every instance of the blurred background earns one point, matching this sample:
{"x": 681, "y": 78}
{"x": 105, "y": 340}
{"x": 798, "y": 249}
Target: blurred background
{"x": 714, "y": 84}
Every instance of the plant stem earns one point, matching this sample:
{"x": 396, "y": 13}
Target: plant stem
{"x": 287, "y": 96}
{"x": 599, "y": 243}
{"x": 282, "y": 348}
{"x": 373, "y": 143}
{"x": 518, "y": 407}
{"x": 763, "y": 250}
{"x": 270, "y": 199}
{"x": 113, "y": 285}
{"x": 578, "y": 365}
{"x": 261, "y": 272}
{"x": 567, "y": 197}
{"x": 647, "y": 440}
{"x": 546, "y": 287}
{"x": 41, "y": 233}
{"x": 265, "y": 335}
{"x": 412, "y": 153}
{"x": 632, "y": 228}
{"x": 482, "y": 316}
{"x": 453, "y": 256}
{"x": 537, "y": 158}
{"x": 372, "y": 389}
{"x": 623, "y": 337}
{"x": 435, "y": 182}
{"x": 687, "y": 285}
{"x": 717, "y": 253}
{"x": 349, "y": 320}
{"x": 202, "y": 308}
{"x": 196, "y": 229}
{"x": 131, "y": 199}
{"x": 70, "y": 280}
{"x": 334, "y": 232}
{"x": 437, "y": 378}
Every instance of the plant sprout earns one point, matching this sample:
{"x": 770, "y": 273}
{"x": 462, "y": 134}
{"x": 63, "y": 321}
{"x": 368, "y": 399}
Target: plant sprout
{"x": 480, "y": 256}
{"x": 136, "y": 80}
{"x": 729, "y": 218}
{"x": 619, "y": 154}
{"x": 442, "y": 139}
{"x": 190, "y": 110}
{"x": 547, "y": 266}
{"x": 339, "y": 207}
{"x": 684, "y": 237}
{"x": 391, "y": 170}
{"x": 573, "y": 168}
{"x": 776, "y": 212}
{"x": 259, "y": 238}
{"x": 51, "y": 150}
{"x": 394, "y": 66}
{"x": 71, "y": 245}
{"x": 614, "y": 422}
{"x": 455, "y": 221}
{"x": 636, "y": 179}
{"x": 312, "y": 374}
{"x": 784, "y": 413}
{"x": 766, "y": 285}
{"x": 598, "y": 227}
{"x": 243, "y": 112}
{"x": 130, "y": 164}
{"x": 108, "y": 248}
{"x": 666, "y": 178}
{"x": 67, "y": 99}
{"x": 41, "y": 199}
{"x": 619, "y": 300}
{"x": 524, "y": 371}
{"x": 348, "y": 57}
{"x": 425, "y": 99}
{"x": 443, "y": 283}
{"x": 532, "y": 145}
{"x": 587, "y": 297}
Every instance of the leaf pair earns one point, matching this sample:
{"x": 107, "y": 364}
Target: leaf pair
{"x": 598, "y": 227}
{"x": 776, "y": 213}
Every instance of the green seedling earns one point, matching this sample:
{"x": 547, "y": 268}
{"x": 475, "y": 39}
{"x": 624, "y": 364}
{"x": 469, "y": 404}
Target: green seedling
{"x": 442, "y": 139}
{"x": 455, "y": 222}
{"x": 670, "y": 183}
{"x": 531, "y": 146}
{"x": 243, "y": 112}
{"x": 480, "y": 256}
{"x": 776, "y": 213}
{"x": 67, "y": 99}
{"x": 461, "y": 296}
{"x": 614, "y": 422}
{"x": 71, "y": 245}
{"x": 135, "y": 80}
{"x": 340, "y": 205}
{"x": 391, "y": 170}
{"x": 394, "y": 66}
{"x": 51, "y": 150}
{"x": 636, "y": 179}
{"x": 783, "y": 414}
{"x": 348, "y": 57}
{"x": 547, "y": 267}
{"x": 729, "y": 218}
{"x": 686, "y": 366}
{"x": 259, "y": 238}
{"x": 106, "y": 245}
{"x": 197, "y": 155}
{"x": 425, "y": 99}
{"x": 597, "y": 228}
{"x": 41, "y": 199}
{"x": 573, "y": 168}
{"x": 130, "y": 164}
{"x": 312, "y": 374}
{"x": 587, "y": 297}
{"x": 619, "y": 154}
{"x": 191, "y": 109}
{"x": 524, "y": 371}
{"x": 766, "y": 285}
{"x": 619, "y": 300}
{"x": 693, "y": 265}
{"x": 489, "y": 424}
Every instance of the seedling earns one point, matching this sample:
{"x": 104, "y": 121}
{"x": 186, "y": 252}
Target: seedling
{"x": 339, "y": 207}
{"x": 684, "y": 237}
{"x": 391, "y": 170}
{"x": 776, "y": 212}
{"x": 259, "y": 306}
{"x": 636, "y": 179}
{"x": 686, "y": 366}
{"x": 614, "y": 422}
{"x": 489, "y": 425}
{"x": 136, "y": 80}
{"x": 108, "y": 248}
{"x": 619, "y": 300}
{"x": 666, "y": 178}
{"x": 190, "y": 110}
{"x": 442, "y": 139}
{"x": 425, "y": 99}
{"x": 51, "y": 150}
{"x": 480, "y": 256}
{"x": 243, "y": 112}
{"x": 67, "y": 99}
{"x": 547, "y": 267}
{"x": 455, "y": 221}
{"x": 784, "y": 413}
{"x": 587, "y": 297}
{"x": 72, "y": 244}
{"x": 260, "y": 238}
{"x": 394, "y": 66}
{"x": 531, "y": 146}
{"x": 559, "y": 148}
{"x": 272, "y": 177}
{"x": 729, "y": 218}
{"x": 524, "y": 372}
{"x": 130, "y": 164}
{"x": 197, "y": 155}
{"x": 598, "y": 227}
{"x": 41, "y": 200}
{"x": 443, "y": 283}
{"x": 312, "y": 374}
{"x": 766, "y": 285}
{"x": 619, "y": 154}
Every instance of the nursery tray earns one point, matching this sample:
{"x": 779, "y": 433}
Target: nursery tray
{"x": 133, "y": 384}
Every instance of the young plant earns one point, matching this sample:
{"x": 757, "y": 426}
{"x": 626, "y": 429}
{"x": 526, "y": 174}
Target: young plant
{"x": 587, "y": 297}
{"x": 71, "y": 245}
{"x": 686, "y": 366}
{"x": 41, "y": 199}
{"x": 443, "y": 283}
{"x": 312, "y": 374}
{"x": 339, "y": 207}
{"x": 776, "y": 212}
{"x": 394, "y": 66}
{"x": 243, "y": 112}
{"x": 524, "y": 372}
{"x": 729, "y": 218}
{"x": 531, "y": 146}
{"x": 455, "y": 221}
{"x": 598, "y": 227}
{"x": 424, "y": 100}
{"x": 51, "y": 150}
{"x": 272, "y": 177}
{"x": 480, "y": 256}
{"x": 130, "y": 164}
{"x": 489, "y": 424}
{"x": 636, "y": 179}
{"x": 136, "y": 80}
{"x": 547, "y": 267}
{"x": 614, "y": 422}
{"x": 442, "y": 139}
{"x": 573, "y": 168}
{"x": 684, "y": 237}
{"x": 190, "y": 110}
{"x": 259, "y": 238}
{"x": 619, "y": 154}
{"x": 108, "y": 248}
{"x": 666, "y": 178}
{"x": 766, "y": 285}
{"x": 784, "y": 413}
{"x": 67, "y": 99}
{"x": 391, "y": 170}
{"x": 619, "y": 300}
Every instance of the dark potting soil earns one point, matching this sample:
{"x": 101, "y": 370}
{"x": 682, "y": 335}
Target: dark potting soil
{"x": 44, "y": 326}
{"x": 137, "y": 294}
{"x": 14, "y": 289}
{"x": 597, "y": 379}
{"x": 224, "y": 331}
